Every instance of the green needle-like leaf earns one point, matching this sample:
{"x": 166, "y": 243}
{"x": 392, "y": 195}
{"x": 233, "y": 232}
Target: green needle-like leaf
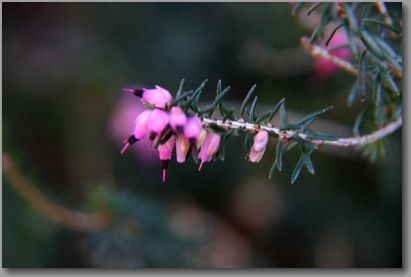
{"x": 313, "y": 115}
{"x": 382, "y": 23}
{"x": 251, "y": 116}
{"x": 297, "y": 170}
{"x": 279, "y": 154}
{"x": 246, "y": 100}
{"x": 314, "y": 7}
{"x": 307, "y": 160}
{"x": 180, "y": 88}
{"x": 362, "y": 75}
{"x": 283, "y": 114}
{"x": 389, "y": 81}
{"x": 357, "y": 124}
{"x": 275, "y": 109}
{"x": 272, "y": 169}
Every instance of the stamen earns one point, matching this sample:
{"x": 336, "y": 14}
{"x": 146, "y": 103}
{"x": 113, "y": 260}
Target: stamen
{"x": 164, "y": 175}
{"x": 164, "y": 166}
{"x": 125, "y": 147}
{"x": 201, "y": 166}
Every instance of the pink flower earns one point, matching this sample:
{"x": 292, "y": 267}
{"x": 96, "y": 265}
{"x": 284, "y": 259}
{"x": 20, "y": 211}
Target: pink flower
{"x": 201, "y": 138}
{"x": 259, "y": 145}
{"x": 209, "y": 148}
{"x": 193, "y": 128}
{"x": 157, "y": 122}
{"x": 323, "y": 67}
{"x": 165, "y": 152}
{"x": 121, "y": 123}
{"x": 182, "y": 147}
{"x": 158, "y": 97}
{"x": 141, "y": 129}
{"x": 177, "y": 119}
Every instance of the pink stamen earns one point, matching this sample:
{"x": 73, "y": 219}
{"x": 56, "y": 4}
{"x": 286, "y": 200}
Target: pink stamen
{"x": 201, "y": 166}
{"x": 124, "y": 148}
{"x": 164, "y": 175}
{"x": 128, "y": 90}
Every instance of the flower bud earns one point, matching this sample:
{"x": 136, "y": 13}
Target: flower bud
{"x": 158, "y": 97}
{"x": 182, "y": 147}
{"x": 193, "y": 128}
{"x": 259, "y": 146}
{"x": 177, "y": 119}
{"x": 157, "y": 122}
{"x": 209, "y": 148}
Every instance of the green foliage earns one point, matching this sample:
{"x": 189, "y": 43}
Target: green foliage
{"x": 375, "y": 40}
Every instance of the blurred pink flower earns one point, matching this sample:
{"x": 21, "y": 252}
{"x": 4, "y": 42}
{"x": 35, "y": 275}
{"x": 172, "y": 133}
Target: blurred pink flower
{"x": 324, "y": 68}
{"x": 209, "y": 148}
{"x": 121, "y": 122}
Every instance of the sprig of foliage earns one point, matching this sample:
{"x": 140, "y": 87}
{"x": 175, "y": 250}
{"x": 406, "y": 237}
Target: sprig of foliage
{"x": 374, "y": 32}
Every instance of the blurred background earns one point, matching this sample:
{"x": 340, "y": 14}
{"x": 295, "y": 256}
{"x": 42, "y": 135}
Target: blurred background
{"x": 64, "y": 119}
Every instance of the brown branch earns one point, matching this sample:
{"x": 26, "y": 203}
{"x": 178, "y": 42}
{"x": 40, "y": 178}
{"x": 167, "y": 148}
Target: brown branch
{"x": 380, "y": 6}
{"x": 318, "y": 51}
{"x": 76, "y": 220}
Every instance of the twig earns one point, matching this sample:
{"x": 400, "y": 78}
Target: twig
{"x": 318, "y": 51}
{"x": 380, "y": 6}
{"x": 76, "y": 220}
{"x": 288, "y": 134}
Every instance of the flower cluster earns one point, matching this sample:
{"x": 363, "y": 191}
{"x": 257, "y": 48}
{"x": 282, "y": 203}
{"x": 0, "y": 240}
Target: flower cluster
{"x": 168, "y": 126}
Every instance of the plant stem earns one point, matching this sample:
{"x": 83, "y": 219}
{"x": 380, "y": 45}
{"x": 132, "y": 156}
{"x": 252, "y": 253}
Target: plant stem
{"x": 288, "y": 134}
{"x": 76, "y": 220}
{"x": 318, "y": 51}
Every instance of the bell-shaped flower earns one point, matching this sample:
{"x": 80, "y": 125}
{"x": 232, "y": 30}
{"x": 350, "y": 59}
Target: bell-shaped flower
{"x": 182, "y": 147}
{"x": 158, "y": 97}
{"x": 192, "y": 129}
{"x": 209, "y": 148}
{"x": 157, "y": 122}
{"x": 259, "y": 146}
{"x": 140, "y": 131}
{"x": 177, "y": 119}
{"x": 165, "y": 152}
{"x": 201, "y": 138}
